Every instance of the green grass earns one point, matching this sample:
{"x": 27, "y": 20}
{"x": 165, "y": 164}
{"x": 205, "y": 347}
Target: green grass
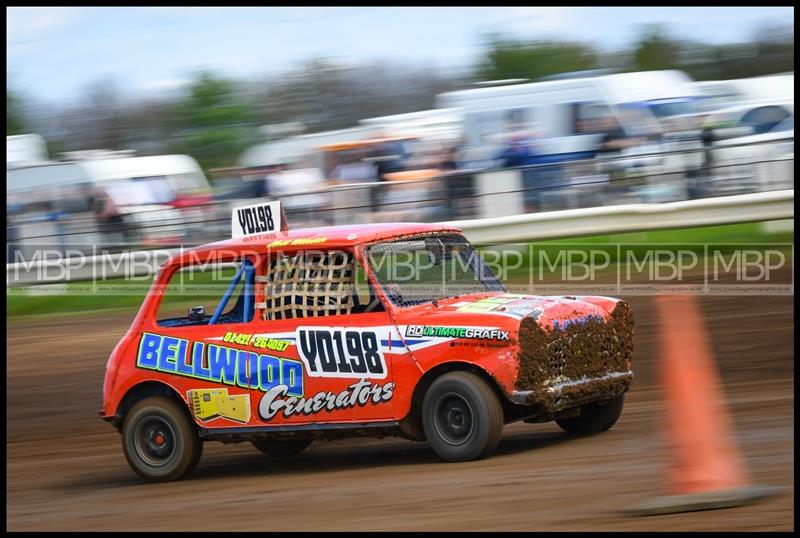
{"x": 128, "y": 295}
{"x": 114, "y": 294}
{"x": 725, "y": 238}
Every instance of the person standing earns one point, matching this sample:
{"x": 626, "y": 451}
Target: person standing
{"x": 519, "y": 153}
{"x": 458, "y": 186}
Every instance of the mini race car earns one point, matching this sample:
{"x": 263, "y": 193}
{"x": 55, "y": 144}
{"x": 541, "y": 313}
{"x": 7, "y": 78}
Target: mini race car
{"x": 370, "y": 330}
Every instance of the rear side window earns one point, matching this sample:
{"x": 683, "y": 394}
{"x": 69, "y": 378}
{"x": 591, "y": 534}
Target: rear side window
{"x": 209, "y": 294}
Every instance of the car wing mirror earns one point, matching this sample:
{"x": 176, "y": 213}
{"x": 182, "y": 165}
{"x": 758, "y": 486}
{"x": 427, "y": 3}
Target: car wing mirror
{"x": 197, "y": 313}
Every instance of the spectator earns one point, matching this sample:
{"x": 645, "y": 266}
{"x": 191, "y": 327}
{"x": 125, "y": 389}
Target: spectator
{"x": 356, "y": 167}
{"x": 256, "y": 182}
{"x": 390, "y": 157}
{"x": 300, "y": 187}
{"x": 699, "y": 186}
{"x": 458, "y": 187}
{"x": 15, "y": 207}
{"x": 610, "y": 146}
{"x": 353, "y": 169}
{"x": 518, "y": 153}
{"x": 12, "y": 246}
{"x": 614, "y": 139}
{"x": 107, "y": 216}
{"x": 271, "y": 179}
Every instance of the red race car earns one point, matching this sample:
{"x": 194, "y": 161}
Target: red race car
{"x": 369, "y": 330}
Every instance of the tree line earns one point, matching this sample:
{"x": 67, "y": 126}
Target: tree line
{"x": 214, "y": 118}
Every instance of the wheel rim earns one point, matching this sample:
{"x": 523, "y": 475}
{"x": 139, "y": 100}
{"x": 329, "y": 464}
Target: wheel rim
{"x": 155, "y": 441}
{"x": 453, "y": 418}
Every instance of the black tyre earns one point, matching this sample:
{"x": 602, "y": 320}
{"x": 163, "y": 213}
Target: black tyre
{"x": 282, "y": 448}
{"x": 160, "y": 441}
{"x": 462, "y": 417}
{"x": 594, "y": 418}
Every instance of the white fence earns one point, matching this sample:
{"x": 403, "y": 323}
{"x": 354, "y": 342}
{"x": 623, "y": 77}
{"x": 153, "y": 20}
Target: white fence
{"x": 774, "y": 205}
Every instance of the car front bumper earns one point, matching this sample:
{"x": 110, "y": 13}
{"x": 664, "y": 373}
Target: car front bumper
{"x": 559, "y": 395}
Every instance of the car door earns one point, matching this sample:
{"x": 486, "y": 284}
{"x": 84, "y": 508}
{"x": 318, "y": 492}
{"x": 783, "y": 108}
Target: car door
{"x": 333, "y": 349}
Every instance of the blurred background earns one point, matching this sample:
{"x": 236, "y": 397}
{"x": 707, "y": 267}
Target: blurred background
{"x": 137, "y": 129}
{"x": 142, "y": 127}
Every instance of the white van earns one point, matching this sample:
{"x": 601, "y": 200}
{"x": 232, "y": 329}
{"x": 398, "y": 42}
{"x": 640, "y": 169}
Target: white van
{"x": 644, "y": 104}
{"x": 719, "y": 94}
{"x": 300, "y": 147}
{"x": 25, "y": 149}
{"x": 146, "y": 191}
{"x": 443, "y": 125}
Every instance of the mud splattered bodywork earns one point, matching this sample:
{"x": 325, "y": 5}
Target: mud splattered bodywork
{"x": 316, "y": 372}
{"x": 561, "y": 353}
{"x": 443, "y": 354}
{"x": 566, "y": 365}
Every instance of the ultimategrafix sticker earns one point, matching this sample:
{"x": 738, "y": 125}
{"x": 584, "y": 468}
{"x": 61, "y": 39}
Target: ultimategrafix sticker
{"x": 417, "y": 331}
{"x": 360, "y": 393}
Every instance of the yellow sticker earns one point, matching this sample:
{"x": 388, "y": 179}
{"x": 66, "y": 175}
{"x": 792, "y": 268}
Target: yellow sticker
{"x": 486, "y": 305}
{"x": 208, "y": 404}
{"x": 300, "y": 241}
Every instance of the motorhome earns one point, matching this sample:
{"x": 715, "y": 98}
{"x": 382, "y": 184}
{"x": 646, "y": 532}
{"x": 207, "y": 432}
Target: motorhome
{"x": 719, "y": 94}
{"x": 290, "y": 150}
{"x": 156, "y": 199}
{"x": 563, "y": 115}
{"x": 25, "y": 149}
{"x": 442, "y": 125}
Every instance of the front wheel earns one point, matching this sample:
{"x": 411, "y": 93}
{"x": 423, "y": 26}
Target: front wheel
{"x": 594, "y": 417}
{"x": 462, "y": 417}
{"x": 283, "y": 448}
{"x": 159, "y": 440}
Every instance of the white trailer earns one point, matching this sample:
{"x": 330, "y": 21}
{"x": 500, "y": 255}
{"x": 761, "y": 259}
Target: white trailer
{"x": 298, "y": 148}
{"x": 720, "y": 94}
{"x": 141, "y": 188}
{"x": 25, "y": 149}
{"x": 642, "y": 103}
{"x": 567, "y": 118}
{"x": 442, "y": 125}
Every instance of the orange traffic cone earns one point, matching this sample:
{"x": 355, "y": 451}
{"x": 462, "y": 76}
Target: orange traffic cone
{"x": 707, "y": 471}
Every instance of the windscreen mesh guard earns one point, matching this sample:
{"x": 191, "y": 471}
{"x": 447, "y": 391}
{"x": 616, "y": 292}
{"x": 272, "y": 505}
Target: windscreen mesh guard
{"x": 427, "y": 267}
{"x": 308, "y": 284}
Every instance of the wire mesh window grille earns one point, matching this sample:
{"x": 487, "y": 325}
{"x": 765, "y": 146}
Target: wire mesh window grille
{"x": 308, "y": 284}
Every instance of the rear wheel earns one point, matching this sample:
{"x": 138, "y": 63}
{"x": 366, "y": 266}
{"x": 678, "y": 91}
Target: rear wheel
{"x": 462, "y": 417}
{"x": 282, "y": 448}
{"x": 159, "y": 440}
{"x": 594, "y": 417}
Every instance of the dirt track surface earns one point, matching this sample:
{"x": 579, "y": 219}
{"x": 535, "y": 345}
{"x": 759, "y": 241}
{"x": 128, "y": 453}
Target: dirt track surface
{"x": 66, "y": 470}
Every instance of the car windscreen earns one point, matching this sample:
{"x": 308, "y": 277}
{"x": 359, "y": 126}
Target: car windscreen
{"x": 424, "y": 268}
